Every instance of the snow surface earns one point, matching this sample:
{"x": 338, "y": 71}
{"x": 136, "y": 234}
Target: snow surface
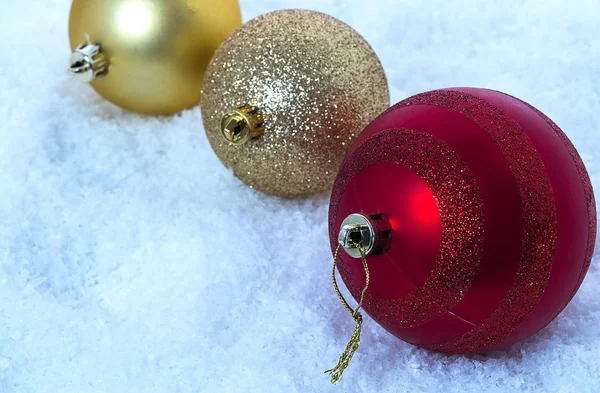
{"x": 127, "y": 266}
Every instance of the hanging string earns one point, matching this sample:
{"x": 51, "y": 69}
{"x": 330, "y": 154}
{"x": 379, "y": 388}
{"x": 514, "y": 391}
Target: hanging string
{"x": 337, "y": 372}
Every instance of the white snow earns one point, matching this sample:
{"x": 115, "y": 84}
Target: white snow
{"x": 132, "y": 261}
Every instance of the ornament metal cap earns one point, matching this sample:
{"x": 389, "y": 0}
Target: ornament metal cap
{"x": 370, "y": 232}
{"x": 243, "y": 124}
{"x": 88, "y": 63}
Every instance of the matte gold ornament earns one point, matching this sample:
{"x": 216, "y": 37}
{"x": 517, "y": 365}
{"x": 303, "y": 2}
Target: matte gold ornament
{"x": 286, "y": 95}
{"x": 148, "y": 56}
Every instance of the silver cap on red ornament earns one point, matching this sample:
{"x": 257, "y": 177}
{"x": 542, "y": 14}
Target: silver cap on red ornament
{"x": 371, "y": 232}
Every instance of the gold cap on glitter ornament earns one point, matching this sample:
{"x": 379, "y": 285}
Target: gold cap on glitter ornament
{"x": 242, "y": 124}
{"x": 285, "y": 96}
{"x": 148, "y": 56}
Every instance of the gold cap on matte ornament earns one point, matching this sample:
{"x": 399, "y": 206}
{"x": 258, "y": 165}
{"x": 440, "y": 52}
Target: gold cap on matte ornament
{"x": 242, "y": 124}
{"x": 88, "y": 63}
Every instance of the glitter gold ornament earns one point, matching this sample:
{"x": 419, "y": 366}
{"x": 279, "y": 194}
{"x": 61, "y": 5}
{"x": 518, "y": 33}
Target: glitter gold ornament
{"x": 285, "y": 96}
{"x": 476, "y": 215}
{"x": 148, "y": 56}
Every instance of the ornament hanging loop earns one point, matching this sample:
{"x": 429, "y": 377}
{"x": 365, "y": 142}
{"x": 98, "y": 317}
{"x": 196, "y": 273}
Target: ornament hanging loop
{"x": 243, "y": 124}
{"x": 88, "y": 63}
{"x": 337, "y": 372}
{"x": 360, "y": 235}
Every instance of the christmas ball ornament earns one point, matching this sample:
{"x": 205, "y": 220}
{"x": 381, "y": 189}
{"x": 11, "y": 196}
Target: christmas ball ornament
{"x": 475, "y": 213}
{"x": 286, "y": 95}
{"x": 148, "y": 56}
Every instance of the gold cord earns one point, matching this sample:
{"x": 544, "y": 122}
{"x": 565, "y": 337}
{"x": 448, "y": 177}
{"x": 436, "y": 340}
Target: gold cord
{"x": 337, "y": 372}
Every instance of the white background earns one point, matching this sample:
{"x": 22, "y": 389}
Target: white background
{"x": 132, "y": 261}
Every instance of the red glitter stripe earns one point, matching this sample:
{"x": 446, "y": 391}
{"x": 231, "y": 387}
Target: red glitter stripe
{"x": 576, "y": 222}
{"x": 538, "y": 212}
{"x": 462, "y": 216}
{"x": 587, "y": 189}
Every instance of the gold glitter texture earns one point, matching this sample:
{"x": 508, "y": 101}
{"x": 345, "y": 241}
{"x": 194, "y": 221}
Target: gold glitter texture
{"x": 317, "y": 82}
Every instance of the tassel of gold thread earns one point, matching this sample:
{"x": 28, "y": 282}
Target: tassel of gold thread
{"x": 337, "y": 372}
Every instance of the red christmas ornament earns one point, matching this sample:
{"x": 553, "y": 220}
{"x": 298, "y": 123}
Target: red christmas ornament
{"x": 484, "y": 216}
